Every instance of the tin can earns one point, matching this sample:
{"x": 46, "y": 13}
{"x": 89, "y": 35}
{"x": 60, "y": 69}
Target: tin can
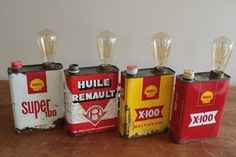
{"x": 91, "y": 99}
{"x": 37, "y": 96}
{"x": 145, "y": 102}
{"x": 198, "y": 107}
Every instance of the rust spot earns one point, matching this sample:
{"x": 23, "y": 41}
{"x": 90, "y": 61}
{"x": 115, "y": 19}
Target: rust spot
{"x": 149, "y": 133}
{"x": 59, "y": 123}
{"x": 27, "y": 129}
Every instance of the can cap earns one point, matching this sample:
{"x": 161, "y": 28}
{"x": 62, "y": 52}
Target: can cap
{"x": 74, "y": 68}
{"x": 132, "y": 69}
{"x": 188, "y": 74}
{"x": 16, "y": 65}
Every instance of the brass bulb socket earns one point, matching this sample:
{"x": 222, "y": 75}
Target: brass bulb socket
{"x": 216, "y": 74}
{"x": 49, "y": 65}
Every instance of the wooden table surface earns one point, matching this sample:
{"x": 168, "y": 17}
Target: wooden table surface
{"x": 108, "y": 144}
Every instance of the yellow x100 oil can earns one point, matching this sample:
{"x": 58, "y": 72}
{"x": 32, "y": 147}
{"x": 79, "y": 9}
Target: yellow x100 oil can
{"x": 145, "y": 101}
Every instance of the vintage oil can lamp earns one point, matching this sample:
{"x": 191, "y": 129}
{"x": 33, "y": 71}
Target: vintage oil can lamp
{"x": 146, "y": 93}
{"x": 37, "y": 90}
{"x": 199, "y": 98}
{"x": 91, "y": 92}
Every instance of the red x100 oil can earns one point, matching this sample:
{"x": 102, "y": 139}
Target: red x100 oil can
{"x": 91, "y": 99}
{"x": 198, "y": 107}
{"x": 37, "y": 96}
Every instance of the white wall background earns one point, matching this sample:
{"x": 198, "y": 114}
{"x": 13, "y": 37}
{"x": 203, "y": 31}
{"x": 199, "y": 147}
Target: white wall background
{"x": 193, "y": 24}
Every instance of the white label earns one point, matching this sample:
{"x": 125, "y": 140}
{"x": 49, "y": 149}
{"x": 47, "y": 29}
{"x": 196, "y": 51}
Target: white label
{"x": 75, "y": 113}
{"x": 38, "y": 110}
{"x": 203, "y": 118}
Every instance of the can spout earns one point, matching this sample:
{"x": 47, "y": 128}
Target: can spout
{"x": 132, "y": 70}
{"x": 16, "y": 65}
{"x": 74, "y": 68}
{"x": 188, "y": 74}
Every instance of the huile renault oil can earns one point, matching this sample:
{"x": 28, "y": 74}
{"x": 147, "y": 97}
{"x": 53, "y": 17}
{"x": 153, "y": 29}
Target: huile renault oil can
{"x": 37, "y": 90}
{"x": 91, "y": 92}
{"x": 146, "y": 94}
{"x": 199, "y": 98}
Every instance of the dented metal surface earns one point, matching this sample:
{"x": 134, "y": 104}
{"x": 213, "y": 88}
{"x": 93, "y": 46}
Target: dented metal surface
{"x": 37, "y": 97}
{"x": 145, "y": 102}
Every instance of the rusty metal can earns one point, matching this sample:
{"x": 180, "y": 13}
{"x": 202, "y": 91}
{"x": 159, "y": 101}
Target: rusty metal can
{"x": 145, "y": 101}
{"x": 37, "y": 96}
{"x": 91, "y": 99}
{"x": 198, "y": 107}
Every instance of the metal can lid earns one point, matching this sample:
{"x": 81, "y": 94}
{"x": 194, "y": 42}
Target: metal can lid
{"x": 74, "y": 68}
{"x": 16, "y": 65}
{"x": 132, "y": 69}
{"x": 188, "y": 74}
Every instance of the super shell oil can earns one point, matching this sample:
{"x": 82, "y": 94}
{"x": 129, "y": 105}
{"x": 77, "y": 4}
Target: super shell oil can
{"x": 145, "y": 102}
{"x": 146, "y": 94}
{"x": 91, "y": 92}
{"x": 199, "y": 99}
{"x": 37, "y": 92}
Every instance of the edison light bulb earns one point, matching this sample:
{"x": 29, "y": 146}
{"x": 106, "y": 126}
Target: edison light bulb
{"x": 106, "y": 44}
{"x": 222, "y": 48}
{"x": 47, "y": 44}
{"x": 161, "y": 44}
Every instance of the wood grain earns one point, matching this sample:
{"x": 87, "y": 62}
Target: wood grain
{"x": 110, "y": 144}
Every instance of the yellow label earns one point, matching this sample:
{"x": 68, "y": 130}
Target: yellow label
{"x": 207, "y": 97}
{"x": 145, "y": 105}
{"x": 36, "y": 84}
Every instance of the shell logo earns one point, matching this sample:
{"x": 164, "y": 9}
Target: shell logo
{"x": 150, "y": 91}
{"x": 36, "y": 84}
{"x": 207, "y": 97}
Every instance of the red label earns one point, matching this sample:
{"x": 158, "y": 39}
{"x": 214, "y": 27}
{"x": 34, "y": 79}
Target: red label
{"x": 93, "y": 92}
{"x": 151, "y": 86}
{"x": 149, "y": 113}
{"x": 36, "y": 82}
